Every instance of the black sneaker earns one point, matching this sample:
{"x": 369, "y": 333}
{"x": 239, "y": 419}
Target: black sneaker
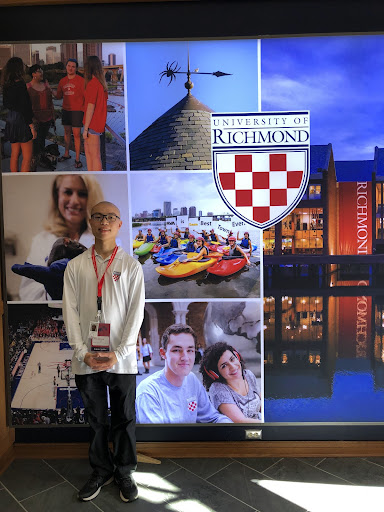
{"x": 128, "y": 488}
{"x": 92, "y": 488}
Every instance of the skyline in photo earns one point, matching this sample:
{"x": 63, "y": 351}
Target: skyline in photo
{"x": 181, "y": 189}
{"x": 107, "y": 48}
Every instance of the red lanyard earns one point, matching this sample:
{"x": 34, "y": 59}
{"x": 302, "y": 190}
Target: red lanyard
{"x": 101, "y": 281}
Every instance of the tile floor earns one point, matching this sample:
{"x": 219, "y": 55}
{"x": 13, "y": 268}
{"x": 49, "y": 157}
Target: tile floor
{"x": 204, "y": 485}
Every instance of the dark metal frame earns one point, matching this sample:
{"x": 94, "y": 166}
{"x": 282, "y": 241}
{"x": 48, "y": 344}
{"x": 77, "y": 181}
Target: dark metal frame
{"x": 193, "y": 20}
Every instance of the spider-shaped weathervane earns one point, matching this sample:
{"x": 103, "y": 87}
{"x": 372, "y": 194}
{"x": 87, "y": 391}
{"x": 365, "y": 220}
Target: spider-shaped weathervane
{"x": 172, "y": 69}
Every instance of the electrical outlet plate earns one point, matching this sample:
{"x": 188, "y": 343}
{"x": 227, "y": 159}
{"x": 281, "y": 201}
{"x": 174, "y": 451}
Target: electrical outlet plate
{"x": 253, "y": 435}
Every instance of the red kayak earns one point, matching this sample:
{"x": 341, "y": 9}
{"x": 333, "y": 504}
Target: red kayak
{"x": 226, "y": 267}
{"x": 156, "y": 248}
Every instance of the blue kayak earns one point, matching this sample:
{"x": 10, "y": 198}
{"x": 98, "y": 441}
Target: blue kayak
{"x": 162, "y": 252}
{"x": 165, "y": 253}
{"x": 168, "y": 256}
{"x": 167, "y": 259}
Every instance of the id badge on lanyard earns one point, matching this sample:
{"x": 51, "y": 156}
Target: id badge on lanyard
{"x": 99, "y": 332}
{"x": 100, "y": 335}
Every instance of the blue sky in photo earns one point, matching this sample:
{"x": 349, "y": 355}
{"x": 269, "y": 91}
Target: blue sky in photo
{"x": 340, "y": 79}
{"x": 182, "y": 189}
{"x": 148, "y": 99}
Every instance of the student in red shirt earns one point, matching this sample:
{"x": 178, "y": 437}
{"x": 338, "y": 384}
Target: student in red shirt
{"x": 71, "y": 89}
{"x": 95, "y": 111}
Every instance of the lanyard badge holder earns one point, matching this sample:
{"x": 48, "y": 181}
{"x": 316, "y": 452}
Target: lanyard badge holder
{"x": 99, "y": 332}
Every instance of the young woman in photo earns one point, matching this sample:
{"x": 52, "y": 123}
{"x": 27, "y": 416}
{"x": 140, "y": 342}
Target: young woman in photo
{"x": 19, "y": 128}
{"x": 232, "y": 389}
{"x": 72, "y": 199}
{"x": 201, "y": 251}
{"x": 43, "y": 111}
{"x": 146, "y": 352}
{"x": 95, "y": 111}
{"x": 237, "y": 250}
{"x": 245, "y": 243}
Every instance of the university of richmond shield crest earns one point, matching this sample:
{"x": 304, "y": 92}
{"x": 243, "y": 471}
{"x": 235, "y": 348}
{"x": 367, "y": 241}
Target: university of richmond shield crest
{"x": 261, "y": 163}
{"x": 192, "y": 404}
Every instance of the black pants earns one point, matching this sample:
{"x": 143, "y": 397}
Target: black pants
{"x": 39, "y": 143}
{"x": 122, "y": 392}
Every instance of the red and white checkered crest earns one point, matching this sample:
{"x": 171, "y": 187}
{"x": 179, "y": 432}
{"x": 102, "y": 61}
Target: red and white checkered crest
{"x": 261, "y": 187}
{"x": 192, "y": 405}
{"x": 261, "y": 163}
{"x": 116, "y": 275}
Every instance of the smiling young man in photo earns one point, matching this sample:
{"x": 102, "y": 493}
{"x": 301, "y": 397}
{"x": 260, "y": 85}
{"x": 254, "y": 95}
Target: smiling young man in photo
{"x": 103, "y": 308}
{"x": 174, "y": 394}
{"x": 71, "y": 89}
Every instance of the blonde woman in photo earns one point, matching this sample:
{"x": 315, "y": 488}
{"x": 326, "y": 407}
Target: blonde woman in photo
{"x": 72, "y": 199}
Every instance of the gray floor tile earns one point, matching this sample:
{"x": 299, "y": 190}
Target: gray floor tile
{"x": 376, "y": 460}
{"x": 313, "y": 461}
{"x": 203, "y": 468}
{"x": 62, "y": 498}
{"x": 26, "y": 477}
{"x": 258, "y": 463}
{"x": 166, "y": 467}
{"x": 193, "y": 492}
{"x": 354, "y": 470}
{"x": 7, "y": 503}
{"x": 293, "y": 470}
{"x": 76, "y": 471}
{"x": 188, "y": 484}
{"x": 242, "y": 482}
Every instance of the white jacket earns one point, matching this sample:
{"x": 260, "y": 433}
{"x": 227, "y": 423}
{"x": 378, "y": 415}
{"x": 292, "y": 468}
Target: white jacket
{"x": 122, "y": 307}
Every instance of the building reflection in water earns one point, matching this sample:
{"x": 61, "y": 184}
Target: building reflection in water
{"x": 324, "y": 299}
{"x": 324, "y": 356}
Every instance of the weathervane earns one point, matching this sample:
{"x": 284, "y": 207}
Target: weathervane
{"x": 172, "y": 69}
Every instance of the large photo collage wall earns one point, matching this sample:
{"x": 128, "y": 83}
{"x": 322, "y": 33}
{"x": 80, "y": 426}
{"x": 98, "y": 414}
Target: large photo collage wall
{"x": 297, "y": 317}
{"x": 153, "y": 161}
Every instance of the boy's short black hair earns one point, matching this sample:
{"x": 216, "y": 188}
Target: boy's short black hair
{"x": 73, "y": 60}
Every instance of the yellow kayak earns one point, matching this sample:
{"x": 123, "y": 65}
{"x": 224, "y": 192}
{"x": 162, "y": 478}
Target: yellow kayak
{"x": 178, "y": 269}
{"x": 137, "y": 243}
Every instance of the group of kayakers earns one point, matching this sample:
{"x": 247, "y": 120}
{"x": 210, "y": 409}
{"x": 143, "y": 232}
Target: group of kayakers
{"x": 199, "y": 245}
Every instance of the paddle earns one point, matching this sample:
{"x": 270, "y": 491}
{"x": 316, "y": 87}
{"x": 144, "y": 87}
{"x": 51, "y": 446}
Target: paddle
{"x": 181, "y": 258}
